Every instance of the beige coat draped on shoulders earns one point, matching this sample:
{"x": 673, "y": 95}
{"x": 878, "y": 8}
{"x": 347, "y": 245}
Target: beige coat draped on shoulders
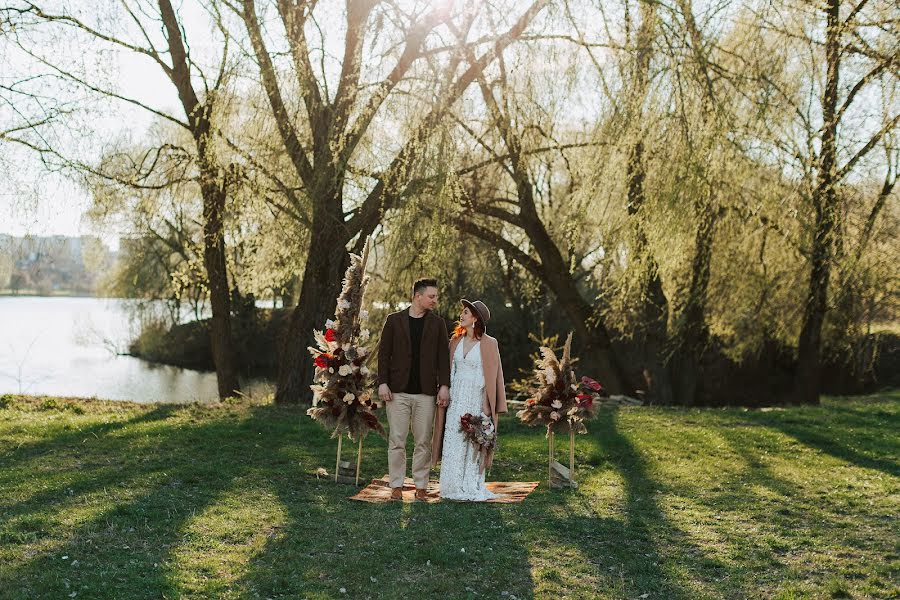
{"x": 494, "y": 397}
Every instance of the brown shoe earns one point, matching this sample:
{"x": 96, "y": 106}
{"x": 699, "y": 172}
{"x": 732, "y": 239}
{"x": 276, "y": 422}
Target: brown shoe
{"x": 397, "y": 493}
{"x": 421, "y": 494}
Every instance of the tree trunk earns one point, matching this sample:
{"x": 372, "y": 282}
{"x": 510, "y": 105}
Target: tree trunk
{"x": 598, "y": 351}
{"x": 219, "y": 296}
{"x": 326, "y": 262}
{"x": 654, "y": 307}
{"x": 213, "y": 192}
{"x": 809, "y": 345}
{"x": 690, "y": 334}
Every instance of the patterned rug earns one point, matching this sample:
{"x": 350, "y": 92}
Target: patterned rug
{"x": 380, "y": 491}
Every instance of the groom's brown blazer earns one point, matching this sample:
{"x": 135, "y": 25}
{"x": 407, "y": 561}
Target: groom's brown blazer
{"x": 395, "y": 353}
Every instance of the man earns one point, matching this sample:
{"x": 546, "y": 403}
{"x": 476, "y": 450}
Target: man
{"x": 413, "y": 375}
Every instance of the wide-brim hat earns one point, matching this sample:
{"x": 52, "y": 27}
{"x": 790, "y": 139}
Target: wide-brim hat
{"x": 480, "y": 309}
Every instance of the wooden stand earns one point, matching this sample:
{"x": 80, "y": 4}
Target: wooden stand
{"x": 358, "y": 458}
{"x": 558, "y": 475}
{"x": 572, "y": 454}
{"x": 343, "y": 471}
{"x": 550, "y": 455}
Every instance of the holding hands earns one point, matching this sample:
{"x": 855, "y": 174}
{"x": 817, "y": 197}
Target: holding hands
{"x": 443, "y": 398}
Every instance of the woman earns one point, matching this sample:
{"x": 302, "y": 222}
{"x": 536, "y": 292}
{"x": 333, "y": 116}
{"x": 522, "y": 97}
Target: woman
{"x": 476, "y": 387}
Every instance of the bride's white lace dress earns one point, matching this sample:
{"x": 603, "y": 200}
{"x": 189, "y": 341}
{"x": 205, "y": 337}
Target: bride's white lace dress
{"x": 461, "y": 474}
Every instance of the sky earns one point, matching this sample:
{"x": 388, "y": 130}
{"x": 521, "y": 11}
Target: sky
{"x": 39, "y": 203}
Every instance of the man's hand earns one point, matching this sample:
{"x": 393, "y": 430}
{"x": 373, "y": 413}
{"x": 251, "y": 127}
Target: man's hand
{"x": 443, "y": 396}
{"x": 384, "y": 392}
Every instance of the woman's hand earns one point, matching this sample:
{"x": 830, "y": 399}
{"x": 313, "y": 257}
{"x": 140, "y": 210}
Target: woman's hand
{"x": 443, "y": 399}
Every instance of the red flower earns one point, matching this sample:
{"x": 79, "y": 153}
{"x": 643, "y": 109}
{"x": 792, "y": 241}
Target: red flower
{"x": 582, "y": 397}
{"x": 591, "y": 383}
{"x": 322, "y": 360}
{"x": 329, "y": 335}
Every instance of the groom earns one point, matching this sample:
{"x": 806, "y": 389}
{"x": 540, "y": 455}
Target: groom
{"x": 413, "y": 369}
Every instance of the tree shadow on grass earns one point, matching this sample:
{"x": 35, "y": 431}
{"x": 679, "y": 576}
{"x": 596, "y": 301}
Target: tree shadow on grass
{"x": 123, "y": 547}
{"x": 670, "y": 549}
{"x": 842, "y": 432}
{"x": 386, "y": 550}
{"x": 71, "y": 436}
{"x": 96, "y": 458}
{"x": 640, "y": 553}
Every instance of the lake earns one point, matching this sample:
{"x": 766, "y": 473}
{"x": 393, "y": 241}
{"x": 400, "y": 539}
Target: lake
{"x": 66, "y": 346}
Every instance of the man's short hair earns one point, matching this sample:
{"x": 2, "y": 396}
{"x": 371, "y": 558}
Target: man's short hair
{"x": 420, "y": 285}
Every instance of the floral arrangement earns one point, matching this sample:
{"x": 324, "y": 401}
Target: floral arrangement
{"x": 343, "y": 396}
{"x": 557, "y": 398}
{"x": 479, "y": 431}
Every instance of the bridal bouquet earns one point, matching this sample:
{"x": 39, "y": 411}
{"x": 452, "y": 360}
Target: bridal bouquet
{"x": 558, "y": 399}
{"x": 479, "y": 431}
{"x": 343, "y": 395}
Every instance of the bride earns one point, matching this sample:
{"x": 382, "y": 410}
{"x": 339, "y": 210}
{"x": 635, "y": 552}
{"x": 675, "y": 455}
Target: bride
{"x": 476, "y": 387}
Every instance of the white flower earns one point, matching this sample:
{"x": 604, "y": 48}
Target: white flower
{"x": 331, "y": 369}
{"x": 364, "y": 334}
{"x": 329, "y": 324}
{"x": 573, "y": 411}
{"x": 361, "y": 351}
{"x": 554, "y": 415}
{"x": 364, "y": 370}
{"x": 364, "y": 397}
{"x": 363, "y": 314}
{"x": 343, "y": 304}
{"x": 348, "y": 397}
{"x": 556, "y": 404}
{"x": 550, "y": 375}
{"x": 345, "y": 370}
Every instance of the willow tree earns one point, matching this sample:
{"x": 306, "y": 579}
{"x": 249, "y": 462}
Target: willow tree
{"x": 153, "y": 30}
{"x": 515, "y": 146}
{"x": 158, "y": 217}
{"x": 845, "y": 57}
{"x": 328, "y": 136}
{"x": 652, "y": 303}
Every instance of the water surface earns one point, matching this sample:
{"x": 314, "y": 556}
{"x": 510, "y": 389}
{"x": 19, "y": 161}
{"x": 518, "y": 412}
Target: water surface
{"x": 67, "y": 346}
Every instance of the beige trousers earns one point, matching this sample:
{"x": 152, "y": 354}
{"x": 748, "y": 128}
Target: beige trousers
{"x": 403, "y": 410}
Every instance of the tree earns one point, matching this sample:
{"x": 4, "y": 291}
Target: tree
{"x": 324, "y": 140}
{"x": 859, "y": 49}
{"x": 172, "y": 55}
{"x": 526, "y": 207}
{"x": 653, "y": 305}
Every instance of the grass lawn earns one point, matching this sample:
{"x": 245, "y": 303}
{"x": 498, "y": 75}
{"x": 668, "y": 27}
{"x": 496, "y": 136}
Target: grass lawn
{"x": 118, "y": 500}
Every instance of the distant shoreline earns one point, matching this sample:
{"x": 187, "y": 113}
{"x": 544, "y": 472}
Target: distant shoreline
{"x": 35, "y": 294}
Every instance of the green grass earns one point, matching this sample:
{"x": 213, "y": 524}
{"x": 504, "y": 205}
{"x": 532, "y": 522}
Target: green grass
{"x": 117, "y": 500}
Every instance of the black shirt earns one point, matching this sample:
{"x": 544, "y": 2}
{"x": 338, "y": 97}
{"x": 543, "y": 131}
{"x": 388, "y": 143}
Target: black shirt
{"x": 416, "y": 326}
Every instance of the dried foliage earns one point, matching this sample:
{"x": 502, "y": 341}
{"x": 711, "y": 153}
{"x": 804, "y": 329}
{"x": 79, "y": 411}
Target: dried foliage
{"x": 559, "y": 399}
{"x": 343, "y": 398}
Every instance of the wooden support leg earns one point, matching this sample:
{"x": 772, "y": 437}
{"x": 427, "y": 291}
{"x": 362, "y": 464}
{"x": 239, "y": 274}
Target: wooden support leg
{"x": 550, "y": 457}
{"x": 337, "y": 463}
{"x": 572, "y": 454}
{"x": 359, "y": 453}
